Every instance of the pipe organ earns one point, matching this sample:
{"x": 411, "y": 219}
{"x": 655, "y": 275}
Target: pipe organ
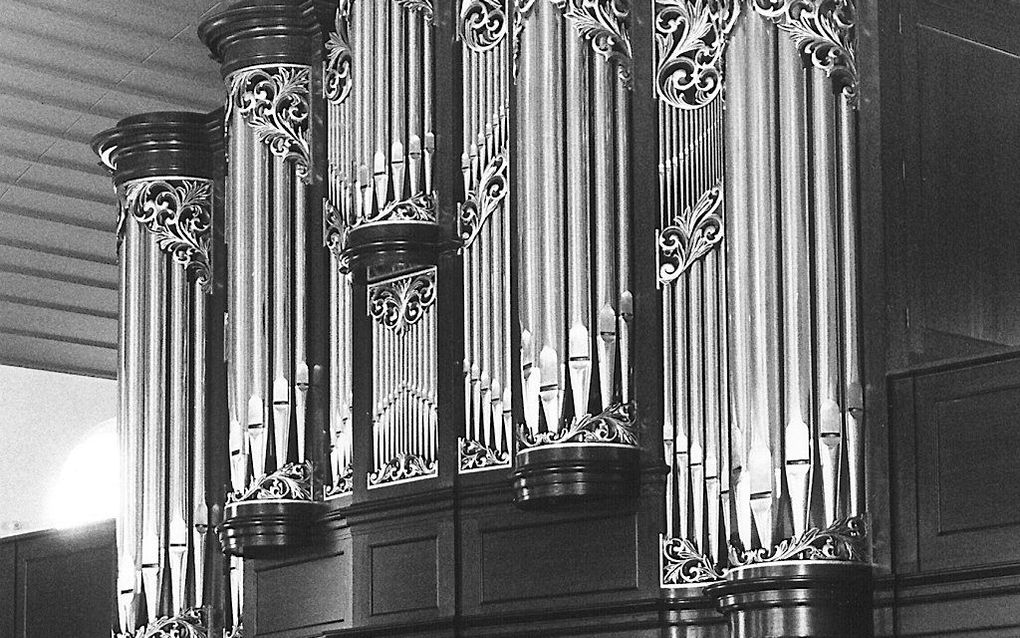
{"x": 593, "y": 253}
{"x": 166, "y": 174}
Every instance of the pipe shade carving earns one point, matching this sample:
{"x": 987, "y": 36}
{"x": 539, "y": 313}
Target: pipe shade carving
{"x": 274, "y": 102}
{"x": 165, "y": 169}
{"x": 177, "y": 212}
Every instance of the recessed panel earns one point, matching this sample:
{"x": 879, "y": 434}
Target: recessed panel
{"x": 68, "y": 595}
{"x": 978, "y": 472}
{"x": 559, "y": 559}
{"x": 404, "y": 576}
{"x": 303, "y": 594}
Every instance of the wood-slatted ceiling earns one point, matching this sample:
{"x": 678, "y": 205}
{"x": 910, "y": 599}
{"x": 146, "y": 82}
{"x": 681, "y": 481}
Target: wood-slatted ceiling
{"x": 69, "y": 69}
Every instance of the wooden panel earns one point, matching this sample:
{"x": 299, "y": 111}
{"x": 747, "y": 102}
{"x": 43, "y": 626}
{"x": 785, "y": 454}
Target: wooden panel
{"x": 66, "y": 584}
{"x": 549, "y": 560}
{"x": 404, "y": 575}
{"x": 8, "y": 573}
{"x": 903, "y": 465}
{"x": 968, "y": 481}
{"x": 977, "y": 440}
{"x": 298, "y": 595}
{"x": 963, "y": 231}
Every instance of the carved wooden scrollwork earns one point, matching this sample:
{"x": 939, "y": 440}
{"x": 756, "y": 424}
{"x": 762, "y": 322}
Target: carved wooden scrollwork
{"x": 604, "y": 23}
{"x": 337, "y": 76}
{"x": 483, "y": 24}
{"x": 486, "y": 199}
{"x": 178, "y": 211}
{"x": 401, "y": 303}
{"x": 690, "y": 38}
{"x": 691, "y": 236}
{"x": 683, "y": 564}
{"x": 825, "y": 32}
{"x": 274, "y": 102}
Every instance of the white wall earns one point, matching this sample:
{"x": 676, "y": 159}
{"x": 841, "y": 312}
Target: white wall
{"x": 44, "y": 418}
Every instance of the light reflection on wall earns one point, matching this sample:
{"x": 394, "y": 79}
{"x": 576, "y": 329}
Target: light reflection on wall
{"x": 44, "y": 418}
{"x": 86, "y": 489}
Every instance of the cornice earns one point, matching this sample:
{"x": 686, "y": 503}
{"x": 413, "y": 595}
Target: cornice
{"x": 159, "y": 144}
{"x": 267, "y": 32}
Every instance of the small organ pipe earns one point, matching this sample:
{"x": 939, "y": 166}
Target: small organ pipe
{"x": 200, "y": 508}
{"x": 257, "y": 435}
{"x": 300, "y": 343}
{"x": 529, "y": 159}
{"x": 605, "y": 274}
{"x": 279, "y": 298}
{"x": 623, "y": 215}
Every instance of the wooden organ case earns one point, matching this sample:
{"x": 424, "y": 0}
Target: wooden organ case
{"x": 535, "y": 317}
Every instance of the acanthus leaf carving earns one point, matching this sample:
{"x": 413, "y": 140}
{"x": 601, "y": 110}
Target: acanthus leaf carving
{"x": 477, "y": 456}
{"x": 485, "y": 199}
{"x": 418, "y": 208}
{"x": 483, "y": 24}
{"x": 825, "y": 33}
{"x": 690, "y": 39}
{"x": 400, "y": 303}
{"x": 274, "y": 102}
{"x": 178, "y": 212}
{"x": 337, "y": 76}
{"x": 403, "y": 467}
{"x": 683, "y": 563}
{"x": 190, "y": 623}
{"x": 844, "y": 540}
{"x": 344, "y": 484}
{"x": 616, "y": 425}
{"x": 691, "y": 236}
{"x": 292, "y": 482}
{"x": 334, "y": 234}
{"x": 604, "y": 23}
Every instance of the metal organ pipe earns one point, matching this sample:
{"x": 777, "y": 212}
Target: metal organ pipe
{"x": 154, "y": 547}
{"x": 800, "y": 447}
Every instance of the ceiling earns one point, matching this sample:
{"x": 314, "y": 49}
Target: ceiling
{"x": 69, "y": 69}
